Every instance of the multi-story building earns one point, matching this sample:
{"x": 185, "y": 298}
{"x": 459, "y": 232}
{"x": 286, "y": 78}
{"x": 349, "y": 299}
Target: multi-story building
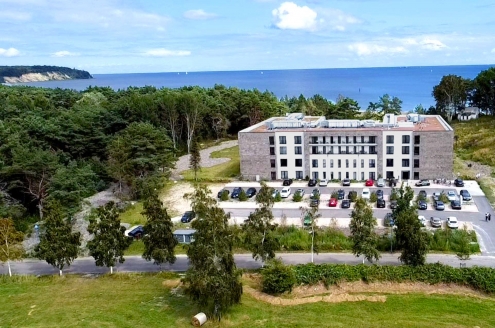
{"x": 402, "y": 147}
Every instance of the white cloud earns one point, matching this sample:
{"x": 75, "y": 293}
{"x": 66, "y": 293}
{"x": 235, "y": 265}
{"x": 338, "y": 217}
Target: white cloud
{"x": 337, "y": 19}
{"x": 11, "y": 52}
{"x": 199, "y": 14}
{"x": 64, "y": 53}
{"x": 162, "y": 52}
{"x": 366, "y": 49}
{"x": 432, "y": 44}
{"x": 289, "y": 16}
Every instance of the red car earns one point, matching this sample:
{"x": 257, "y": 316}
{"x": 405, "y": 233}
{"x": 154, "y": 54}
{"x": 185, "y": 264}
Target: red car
{"x": 369, "y": 183}
{"x": 332, "y": 202}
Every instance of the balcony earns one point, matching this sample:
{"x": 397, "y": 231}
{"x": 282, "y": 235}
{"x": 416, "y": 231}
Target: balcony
{"x": 320, "y": 142}
{"x": 351, "y": 153}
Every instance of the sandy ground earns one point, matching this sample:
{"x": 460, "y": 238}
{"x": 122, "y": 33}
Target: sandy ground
{"x": 174, "y": 199}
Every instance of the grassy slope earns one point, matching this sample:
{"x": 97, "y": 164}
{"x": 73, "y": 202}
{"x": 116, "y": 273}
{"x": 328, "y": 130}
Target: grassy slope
{"x": 143, "y": 301}
{"x": 476, "y": 140}
{"x": 221, "y": 172}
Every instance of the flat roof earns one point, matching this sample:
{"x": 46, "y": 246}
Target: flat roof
{"x": 184, "y": 231}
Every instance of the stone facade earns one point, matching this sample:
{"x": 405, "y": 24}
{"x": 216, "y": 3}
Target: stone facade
{"x": 254, "y": 151}
{"x": 436, "y": 155}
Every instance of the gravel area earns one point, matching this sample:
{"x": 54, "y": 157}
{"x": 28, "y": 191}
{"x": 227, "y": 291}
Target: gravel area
{"x": 206, "y": 161}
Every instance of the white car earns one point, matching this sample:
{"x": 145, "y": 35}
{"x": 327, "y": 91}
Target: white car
{"x": 452, "y": 222}
{"x": 300, "y": 192}
{"x": 323, "y": 182}
{"x": 285, "y": 192}
{"x": 366, "y": 193}
{"x": 380, "y": 182}
{"x": 422, "y": 220}
{"x": 451, "y": 195}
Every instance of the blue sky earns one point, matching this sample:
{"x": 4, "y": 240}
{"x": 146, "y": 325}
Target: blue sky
{"x": 126, "y": 36}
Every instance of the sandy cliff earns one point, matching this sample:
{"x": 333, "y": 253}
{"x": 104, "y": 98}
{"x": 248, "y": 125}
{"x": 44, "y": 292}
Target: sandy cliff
{"x": 37, "y": 77}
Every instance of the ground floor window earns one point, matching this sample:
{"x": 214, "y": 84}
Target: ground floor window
{"x": 273, "y": 175}
{"x": 340, "y": 176}
{"x": 315, "y": 175}
{"x": 354, "y": 176}
{"x": 324, "y": 175}
{"x": 284, "y": 175}
{"x": 347, "y": 175}
{"x": 299, "y": 175}
{"x": 362, "y": 175}
{"x": 331, "y": 175}
{"x": 390, "y": 174}
{"x": 405, "y": 175}
{"x": 416, "y": 175}
{"x": 372, "y": 176}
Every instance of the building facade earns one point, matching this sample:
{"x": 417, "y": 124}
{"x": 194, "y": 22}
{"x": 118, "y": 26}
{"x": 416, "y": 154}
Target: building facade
{"x": 403, "y": 147}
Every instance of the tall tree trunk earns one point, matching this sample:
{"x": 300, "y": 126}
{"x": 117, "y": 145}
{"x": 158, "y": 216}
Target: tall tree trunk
{"x": 111, "y": 270}
{"x": 10, "y": 270}
{"x": 60, "y": 272}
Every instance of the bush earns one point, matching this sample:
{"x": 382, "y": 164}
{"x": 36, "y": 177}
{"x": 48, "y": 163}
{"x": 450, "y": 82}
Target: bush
{"x": 373, "y": 197}
{"x": 334, "y": 194}
{"x": 278, "y": 197}
{"x": 394, "y": 195}
{"x": 444, "y": 198}
{"x": 224, "y": 196}
{"x": 242, "y": 196}
{"x": 277, "y": 278}
{"x": 297, "y": 197}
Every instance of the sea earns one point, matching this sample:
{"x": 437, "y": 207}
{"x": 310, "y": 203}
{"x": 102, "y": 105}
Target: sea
{"x": 413, "y": 85}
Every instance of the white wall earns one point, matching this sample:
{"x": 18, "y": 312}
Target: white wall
{"x": 397, "y": 156}
{"x": 290, "y": 156}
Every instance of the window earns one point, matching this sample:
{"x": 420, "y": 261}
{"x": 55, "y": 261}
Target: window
{"x": 314, "y": 140}
{"x": 284, "y": 175}
{"x": 362, "y": 165}
{"x": 390, "y": 175}
{"x": 416, "y": 140}
{"x": 340, "y": 176}
{"x": 299, "y": 174}
{"x": 315, "y": 175}
{"x": 297, "y": 140}
{"x": 272, "y": 150}
{"x": 347, "y": 175}
{"x": 347, "y": 163}
{"x": 314, "y": 150}
{"x": 372, "y": 163}
{"x": 283, "y": 150}
{"x": 354, "y": 164}
{"x": 390, "y": 150}
{"x": 405, "y": 175}
{"x": 272, "y": 163}
{"x": 339, "y": 139}
{"x": 298, "y": 150}
{"x": 282, "y": 140}
{"x": 272, "y": 140}
{"x": 283, "y": 162}
{"x": 416, "y": 151}
{"x": 390, "y": 162}
{"x": 273, "y": 175}
{"x": 354, "y": 139}
{"x": 405, "y": 150}
{"x": 339, "y": 163}
{"x": 315, "y": 163}
{"x": 362, "y": 175}
{"x": 324, "y": 163}
{"x": 331, "y": 163}
{"x": 373, "y": 150}
{"x": 331, "y": 175}
{"x": 324, "y": 175}
{"x": 416, "y": 163}
{"x": 405, "y": 162}
{"x": 416, "y": 175}
{"x": 354, "y": 175}
{"x": 298, "y": 162}
{"x": 372, "y": 140}
{"x": 390, "y": 139}
{"x": 406, "y": 139}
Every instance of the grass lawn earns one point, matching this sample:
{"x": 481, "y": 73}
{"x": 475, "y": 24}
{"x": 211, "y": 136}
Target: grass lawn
{"x": 476, "y": 140}
{"x": 137, "y": 248}
{"x": 221, "y": 172}
{"x": 142, "y": 300}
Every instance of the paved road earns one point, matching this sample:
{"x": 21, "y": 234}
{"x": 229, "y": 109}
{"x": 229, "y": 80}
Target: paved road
{"x": 245, "y": 261}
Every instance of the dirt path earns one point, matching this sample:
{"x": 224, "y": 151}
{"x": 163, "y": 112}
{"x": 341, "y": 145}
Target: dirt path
{"x": 206, "y": 161}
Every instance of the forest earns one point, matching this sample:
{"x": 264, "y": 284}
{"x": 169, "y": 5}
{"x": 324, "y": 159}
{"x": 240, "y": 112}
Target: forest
{"x": 17, "y": 71}
{"x": 65, "y": 145}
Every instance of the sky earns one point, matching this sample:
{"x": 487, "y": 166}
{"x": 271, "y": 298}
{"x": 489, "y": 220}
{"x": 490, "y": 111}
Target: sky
{"x": 132, "y": 36}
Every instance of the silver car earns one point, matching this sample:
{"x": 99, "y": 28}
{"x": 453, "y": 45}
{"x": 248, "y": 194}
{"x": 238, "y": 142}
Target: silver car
{"x": 435, "y": 222}
{"x": 380, "y": 182}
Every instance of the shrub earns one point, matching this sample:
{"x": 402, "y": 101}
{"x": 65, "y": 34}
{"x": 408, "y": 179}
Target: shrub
{"x": 277, "y": 278}
{"x": 224, "y": 196}
{"x": 444, "y": 198}
{"x": 373, "y": 197}
{"x": 278, "y": 197}
{"x": 334, "y": 194}
{"x": 394, "y": 195}
{"x": 297, "y": 197}
{"x": 242, "y": 196}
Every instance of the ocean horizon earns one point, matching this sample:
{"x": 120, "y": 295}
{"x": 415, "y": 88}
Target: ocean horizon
{"x": 412, "y": 84}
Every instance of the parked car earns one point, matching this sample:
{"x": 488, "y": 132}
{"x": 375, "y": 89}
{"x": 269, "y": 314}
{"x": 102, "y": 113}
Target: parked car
{"x": 352, "y": 195}
{"x": 345, "y": 203}
{"x": 379, "y": 194}
{"x": 332, "y": 202}
{"x": 369, "y": 183}
{"x": 423, "y": 193}
{"x": 365, "y": 194}
{"x": 300, "y": 192}
{"x": 135, "y": 232}
{"x": 275, "y": 193}
{"x": 251, "y": 192}
{"x": 346, "y": 182}
{"x": 315, "y": 194}
{"x": 452, "y": 222}
{"x": 220, "y": 193}
{"x": 311, "y": 183}
{"x": 459, "y": 182}
{"x": 314, "y": 202}
{"x": 380, "y": 182}
{"x": 439, "y": 205}
{"x": 340, "y": 194}
{"x": 456, "y": 204}
{"x": 389, "y": 221}
{"x": 423, "y": 182}
{"x": 422, "y": 220}
{"x": 422, "y": 205}
{"x": 393, "y": 204}
{"x": 465, "y": 195}
{"x": 285, "y": 192}
{"x": 287, "y": 182}
{"x": 236, "y": 192}
{"x": 451, "y": 195}
{"x": 436, "y": 196}
{"x": 188, "y": 217}
{"x": 323, "y": 182}
{"x": 435, "y": 222}
{"x": 380, "y": 203}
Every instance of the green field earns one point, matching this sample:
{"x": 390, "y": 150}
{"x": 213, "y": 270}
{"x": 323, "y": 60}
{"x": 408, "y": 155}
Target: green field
{"x": 221, "y": 172}
{"x": 142, "y": 300}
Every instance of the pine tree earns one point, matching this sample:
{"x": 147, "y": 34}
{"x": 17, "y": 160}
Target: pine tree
{"x": 363, "y": 233}
{"x": 259, "y": 227}
{"x": 195, "y": 158}
{"x": 10, "y": 243}
{"x": 159, "y": 240}
{"x": 58, "y": 245}
{"x": 109, "y": 242}
{"x": 212, "y": 280}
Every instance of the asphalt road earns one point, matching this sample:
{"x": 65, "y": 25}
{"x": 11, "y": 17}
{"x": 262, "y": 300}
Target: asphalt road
{"x": 245, "y": 261}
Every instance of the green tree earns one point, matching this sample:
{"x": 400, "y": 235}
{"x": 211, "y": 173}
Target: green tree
{"x": 58, "y": 245}
{"x": 346, "y": 108}
{"x": 464, "y": 252}
{"x": 195, "y": 158}
{"x": 10, "y": 243}
{"x": 363, "y": 235}
{"x": 420, "y": 110}
{"x": 109, "y": 242}
{"x": 483, "y": 94}
{"x": 451, "y": 95}
{"x": 212, "y": 280}
{"x": 242, "y": 196}
{"x": 411, "y": 239}
{"x": 388, "y": 105}
{"x": 159, "y": 240}
{"x": 259, "y": 228}
{"x": 311, "y": 214}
